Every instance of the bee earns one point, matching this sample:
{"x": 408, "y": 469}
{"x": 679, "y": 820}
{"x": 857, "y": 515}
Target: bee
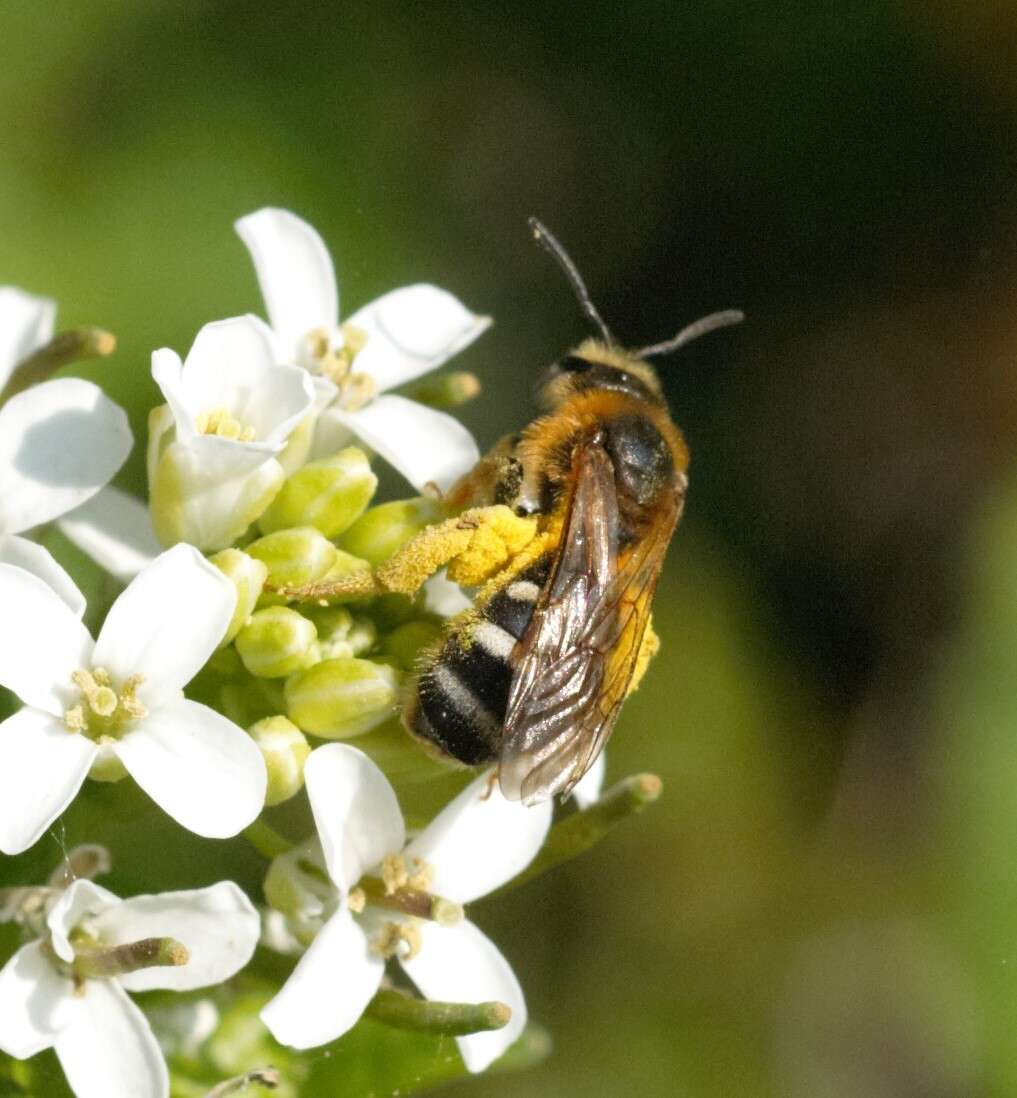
{"x": 534, "y": 676}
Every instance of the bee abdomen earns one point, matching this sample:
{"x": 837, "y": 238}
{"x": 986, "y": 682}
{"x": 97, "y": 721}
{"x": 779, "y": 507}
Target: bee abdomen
{"x": 462, "y": 697}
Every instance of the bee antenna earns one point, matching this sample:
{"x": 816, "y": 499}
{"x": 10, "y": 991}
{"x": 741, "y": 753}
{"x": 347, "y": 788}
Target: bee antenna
{"x": 546, "y": 239}
{"x": 693, "y": 331}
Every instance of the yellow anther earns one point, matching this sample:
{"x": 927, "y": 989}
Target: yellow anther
{"x": 102, "y": 676}
{"x": 393, "y": 936}
{"x": 74, "y": 719}
{"x": 356, "y": 901}
{"x": 129, "y": 700}
{"x": 394, "y": 873}
{"x": 221, "y": 423}
{"x": 422, "y": 875}
{"x": 356, "y": 390}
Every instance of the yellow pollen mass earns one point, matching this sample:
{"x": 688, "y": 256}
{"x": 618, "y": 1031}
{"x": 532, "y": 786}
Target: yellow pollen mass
{"x": 103, "y": 712}
{"x": 221, "y": 423}
{"x": 356, "y": 901}
{"x": 394, "y": 873}
{"x": 393, "y": 936}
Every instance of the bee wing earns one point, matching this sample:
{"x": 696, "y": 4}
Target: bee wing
{"x": 580, "y": 648}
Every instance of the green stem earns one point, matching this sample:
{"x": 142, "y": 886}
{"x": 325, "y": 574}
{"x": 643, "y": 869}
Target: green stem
{"x": 402, "y": 1011}
{"x": 575, "y": 834}
{"x": 63, "y": 349}
{"x": 266, "y": 840}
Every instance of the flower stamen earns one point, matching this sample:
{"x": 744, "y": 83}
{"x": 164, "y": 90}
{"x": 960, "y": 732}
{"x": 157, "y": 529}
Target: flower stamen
{"x": 223, "y": 424}
{"x": 104, "y": 712}
{"x": 392, "y": 939}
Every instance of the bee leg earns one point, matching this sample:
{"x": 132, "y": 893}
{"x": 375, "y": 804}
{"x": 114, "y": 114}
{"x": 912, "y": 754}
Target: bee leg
{"x": 649, "y": 646}
{"x": 475, "y": 545}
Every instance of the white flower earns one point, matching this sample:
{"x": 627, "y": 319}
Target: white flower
{"x": 395, "y": 339}
{"x": 50, "y": 999}
{"x": 115, "y": 529}
{"x": 121, "y": 698}
{"x": 478, "y": 842}
{"x": 236, "y": 419}
{"x": 60, "y": 441}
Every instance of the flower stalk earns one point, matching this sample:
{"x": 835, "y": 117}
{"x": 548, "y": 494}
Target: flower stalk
{"x": 576, "y": 834}
{"x": 74, "y": 345}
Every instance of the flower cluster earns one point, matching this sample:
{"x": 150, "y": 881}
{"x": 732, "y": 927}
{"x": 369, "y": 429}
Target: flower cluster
{"x": 260, "y": 483}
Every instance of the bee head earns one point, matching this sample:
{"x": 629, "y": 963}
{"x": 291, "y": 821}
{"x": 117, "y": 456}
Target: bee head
{"x": 601, "y": 363}
{"x": 595, "y": 365}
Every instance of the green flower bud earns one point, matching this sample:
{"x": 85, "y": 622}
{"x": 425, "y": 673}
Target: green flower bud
{"x": 275, "y": 642}
{"x": 329, "y": 495}
{"x": 248, "y": 577}
{"x": 285, "y": 751}
{"x": 294, "y": 557}
{"x": 340, "y": 633}
{"x": 405, "y": 643}
{"x": 339, "y": 698}
{"x": 382, "y": 530}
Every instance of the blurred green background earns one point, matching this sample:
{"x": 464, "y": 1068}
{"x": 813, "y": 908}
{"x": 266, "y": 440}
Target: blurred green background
{"x": 825, "y": 901}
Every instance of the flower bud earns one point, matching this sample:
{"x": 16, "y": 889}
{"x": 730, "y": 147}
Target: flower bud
{"x": 339, "y": 698}
{"x": 405, "y": 643}
{"x": 275, "y": 642}
{"x": 294, "y": 557}
{"x": 340, "y": 633}
{"x": 329, "y": 495}
{"x": 285, "y": 751}
{"x": 248, "y": 577}
{"x": 382, "y": 530}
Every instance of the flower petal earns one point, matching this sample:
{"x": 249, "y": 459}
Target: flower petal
{"x": 443, "y": 597}
{"x": 480, "y": 840}
{"x": 233, "y": 365}
{"x": 411, "y": 331}
{"x": 329, "y": 989}
{"x": 355, "y": 810}
{"x": 42, "y": 642}
{"x": 60, "y": 442}
{"x": 42, "y": 770}
{"x": 34, "y": 1000}
{"x": 80, "y": 901}
{"x": 115, "y": 529}
{"x": 218, "y": 926}
{"x": 166, "y": 624}
{"x": 33, "y": 558}
{"x": 426, "y": 446}
{"x": 295, "y": 274}
{"x": 198, "y": 767}
{"x": 108, "y": 1048}
{"x": 460, "y": 964}
{"x": 26, "y": 323}
{"x": 587, "y": 791}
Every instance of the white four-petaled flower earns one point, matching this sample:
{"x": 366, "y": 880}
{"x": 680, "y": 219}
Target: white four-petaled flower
{"x": 103, "y": 1041}
{"x": 60, "y": 441}
{"x": 121, "y": 698}
{"x": 476, "y": 843}
{"x": 384, "y": 344}
{"x": 232, "y": 431}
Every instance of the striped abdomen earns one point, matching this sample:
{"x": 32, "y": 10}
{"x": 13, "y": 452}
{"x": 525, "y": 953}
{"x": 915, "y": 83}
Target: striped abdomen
{"x": 461, "y": 698}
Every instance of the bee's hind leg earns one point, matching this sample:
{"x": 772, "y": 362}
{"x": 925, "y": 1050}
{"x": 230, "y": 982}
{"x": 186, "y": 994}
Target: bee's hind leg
{"x": 475, "y": 545}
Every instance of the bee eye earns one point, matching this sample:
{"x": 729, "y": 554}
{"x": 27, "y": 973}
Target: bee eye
{"x": 573, "y": 364}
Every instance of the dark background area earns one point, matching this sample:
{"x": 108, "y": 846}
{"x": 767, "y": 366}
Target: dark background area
{"x": 823, "y": 903}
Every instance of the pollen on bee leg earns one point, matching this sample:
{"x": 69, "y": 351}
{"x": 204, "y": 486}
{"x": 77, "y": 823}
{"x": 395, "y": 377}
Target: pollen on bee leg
{"x": 497, "y": 535}
{"x": 649, "y": 646}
